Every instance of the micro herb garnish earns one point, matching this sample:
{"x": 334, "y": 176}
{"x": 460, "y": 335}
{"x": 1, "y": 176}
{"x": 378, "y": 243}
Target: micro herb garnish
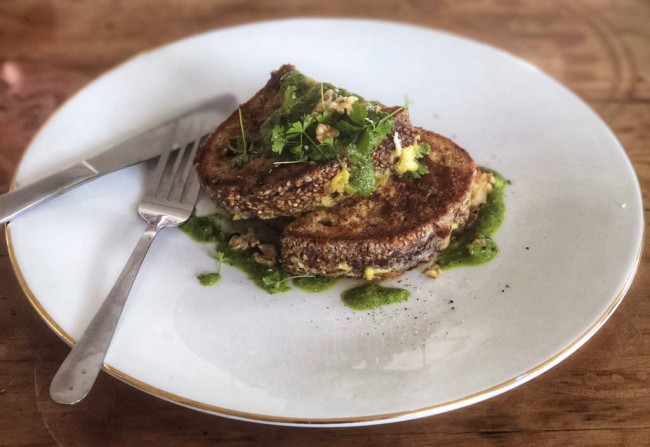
{"x": 210, "y": 279}
{"x": 358, "y": 133}
{"x": 290, "y": 98}
{"x": 221, "y": 257}
{"x": 300, "y": 139}
{"x": 239, "y": 145}
{"x": 367, "y": 134}
{"x": 278, "y": 281}
{"x": 305, "y": 129}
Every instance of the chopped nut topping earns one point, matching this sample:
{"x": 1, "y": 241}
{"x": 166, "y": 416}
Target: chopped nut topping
{"x": 244, "y": 241}
{"x": 341, "y": 104}
{"x": 433, "y": 271}
{"x": 323, "y": 132}
{"x": 268, "y": 255}
{"x": 324, "y": 105}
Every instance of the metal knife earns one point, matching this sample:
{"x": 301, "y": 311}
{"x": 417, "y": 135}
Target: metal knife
{"x": 134, "y": 150}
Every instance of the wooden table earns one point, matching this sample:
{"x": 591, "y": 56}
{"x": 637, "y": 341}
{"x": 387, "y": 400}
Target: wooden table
{"x": 600, "y": 49}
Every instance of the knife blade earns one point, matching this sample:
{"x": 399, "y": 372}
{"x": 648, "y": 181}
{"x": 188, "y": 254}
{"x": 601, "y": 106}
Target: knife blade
{"x": 137, "y": 149}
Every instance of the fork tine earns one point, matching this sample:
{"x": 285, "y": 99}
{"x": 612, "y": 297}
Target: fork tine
{"x": 192, "y": 190}
{"x": 154, "y": 179}
{"x": 193, "y": 185}
{"x": 169, "y": 175}
{"x": 183, "y": 171}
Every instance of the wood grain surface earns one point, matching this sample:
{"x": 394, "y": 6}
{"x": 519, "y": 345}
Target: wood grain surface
{"x": 600, "y": 49}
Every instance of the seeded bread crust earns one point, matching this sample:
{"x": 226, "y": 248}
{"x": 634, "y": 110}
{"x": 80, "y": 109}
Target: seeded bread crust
{"x": 404, "y": 223}
{"x": 262, "y": 189}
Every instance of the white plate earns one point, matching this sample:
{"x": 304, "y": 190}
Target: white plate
{"x": 569, "y": 247}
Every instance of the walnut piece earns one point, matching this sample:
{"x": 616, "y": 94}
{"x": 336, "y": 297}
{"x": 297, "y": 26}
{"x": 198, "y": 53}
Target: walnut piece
{"x": 267, "y": 255}
{"x": 244, "y": 241}
{"x": 323, "y": 132}
{"x": 329, "y": 102}
{"x": 343, "y": 104}
{"x": 433, "y": 271}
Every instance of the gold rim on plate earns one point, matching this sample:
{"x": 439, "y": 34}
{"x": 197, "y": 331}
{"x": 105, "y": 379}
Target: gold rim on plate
{"x": 402, "y": 415}
{"x": 254, "y": 417}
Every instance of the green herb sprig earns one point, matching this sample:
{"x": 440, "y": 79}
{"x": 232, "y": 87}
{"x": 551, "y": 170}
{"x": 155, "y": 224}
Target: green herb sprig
{"x": 239, "y": 146}
{"x": 278, "y": 281}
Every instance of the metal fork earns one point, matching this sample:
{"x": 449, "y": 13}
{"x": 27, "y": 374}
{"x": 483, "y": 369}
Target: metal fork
{"x": 169, "y": 200}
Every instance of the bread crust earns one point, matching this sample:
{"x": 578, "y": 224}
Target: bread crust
{"x": 260, "y": 188}
{"x": 404, "y": 223}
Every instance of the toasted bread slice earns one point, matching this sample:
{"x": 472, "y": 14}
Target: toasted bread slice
{"x": 267, "y": 188}
{"x": 404, "y": 223}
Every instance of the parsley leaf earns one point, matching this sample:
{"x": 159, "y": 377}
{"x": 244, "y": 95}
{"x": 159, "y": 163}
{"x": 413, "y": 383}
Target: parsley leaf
{"x": 290, "y": 98}
{"x": 278, "y": 139}
{"x": 324, "y": 117}
{"x": 276, "y": 282}
{"x": 381, "y": 131}
{"x": 358, "y": 114}
{"x": 347, "y": 128}
{"x": 222, "y": 257}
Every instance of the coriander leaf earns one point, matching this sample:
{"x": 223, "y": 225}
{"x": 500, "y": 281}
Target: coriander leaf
{"x": 324, "y": 117}
{"x": 222, "y": 257}
{"x": 358, "y": 114}
{"x": 307, "y": 121}
{"x": 363, "y": 142}
{"x": 276, "y": 282}
{"x": 381, "y": 131}
{"x": 295, "y": 128}
{"x": 290, "y": 98}
{"x": 278, "y": 139}
{"x": 328, "y": 141}
{"x": 346, "y": 128}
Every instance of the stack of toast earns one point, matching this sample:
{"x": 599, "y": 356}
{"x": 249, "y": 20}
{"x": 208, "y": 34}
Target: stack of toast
{"x": 405, "y": 221}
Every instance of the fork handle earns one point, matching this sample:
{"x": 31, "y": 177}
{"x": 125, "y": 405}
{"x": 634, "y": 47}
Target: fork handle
{"x": 78, "y": 372}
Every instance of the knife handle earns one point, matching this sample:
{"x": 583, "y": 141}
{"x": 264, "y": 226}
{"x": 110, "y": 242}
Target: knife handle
{"x": 15, "y": 202}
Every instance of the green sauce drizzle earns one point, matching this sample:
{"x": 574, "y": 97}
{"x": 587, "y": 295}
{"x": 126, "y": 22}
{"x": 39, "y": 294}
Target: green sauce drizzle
{"x": 372, "y": 295}
{"x": 206, "y": 229}
{"x": 475, "y": 246}
{"x": 272, "y": 279}
{"x": 315, "y": 283}
{"x": 472, "y": 246}
{"x": 202, "y": 229}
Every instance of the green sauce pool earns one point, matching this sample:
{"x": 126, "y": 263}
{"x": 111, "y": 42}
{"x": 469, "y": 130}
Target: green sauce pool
{"x": 475, "y": 246}
{"x": 206, "y": 229}
{"x": 315, "y": 283}
{"x": 373, "y": 295}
